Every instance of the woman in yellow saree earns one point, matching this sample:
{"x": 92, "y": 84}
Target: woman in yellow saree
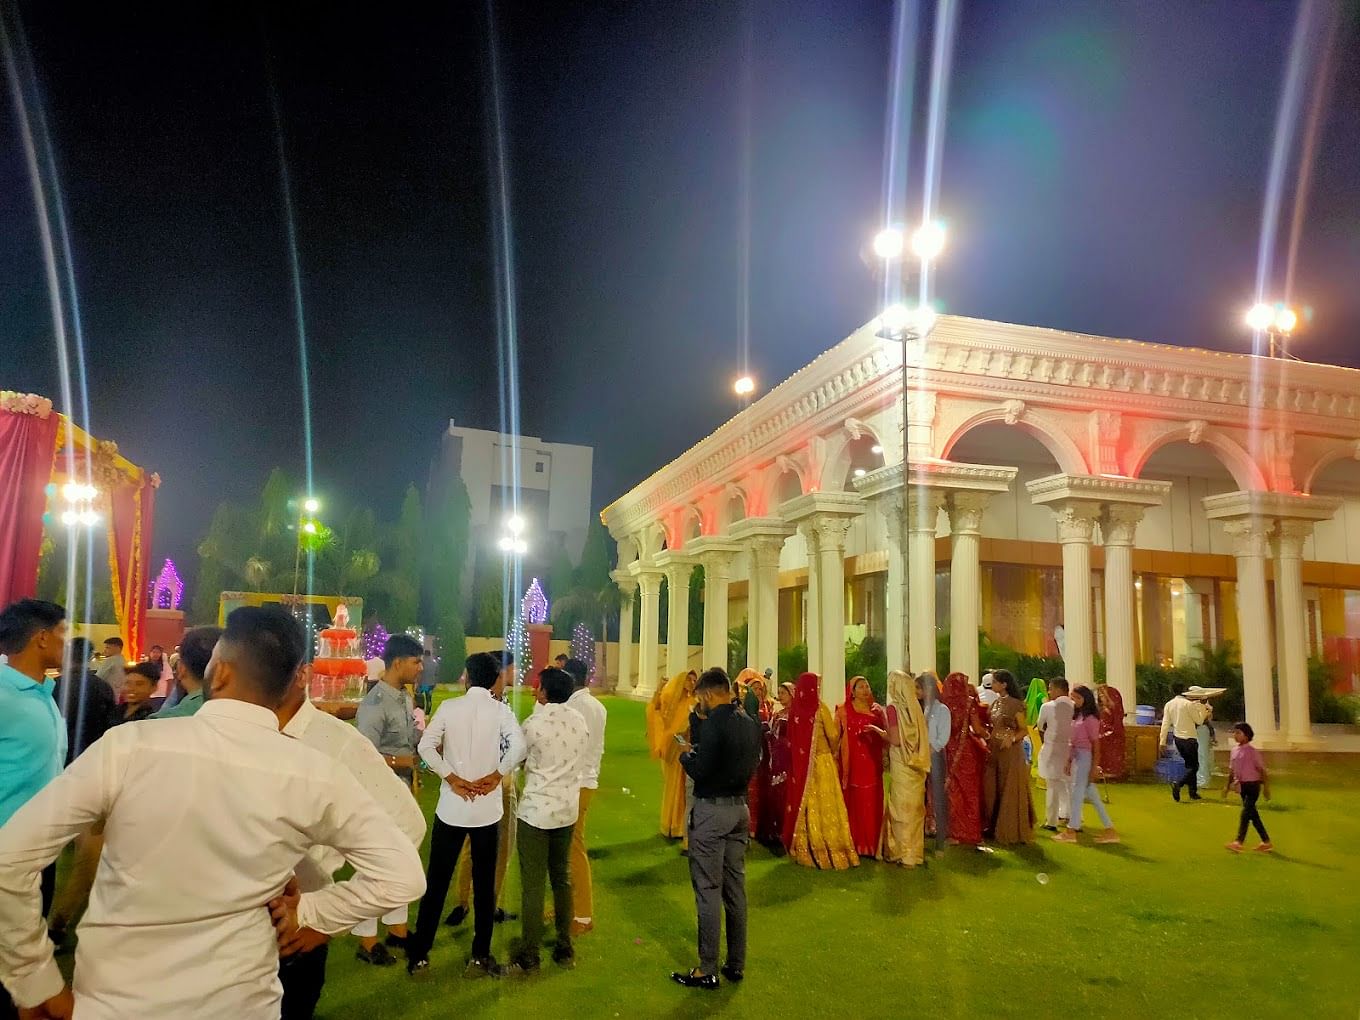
{"x": 667, "y": 716}
{"x": 908, "y": 765}
{"x": 816, "y": 825}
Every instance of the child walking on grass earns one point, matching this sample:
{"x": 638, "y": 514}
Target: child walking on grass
{"x": 1247, "y": 768}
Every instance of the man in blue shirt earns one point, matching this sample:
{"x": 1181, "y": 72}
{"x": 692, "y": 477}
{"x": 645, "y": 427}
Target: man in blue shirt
{"x": 32, "y": 733}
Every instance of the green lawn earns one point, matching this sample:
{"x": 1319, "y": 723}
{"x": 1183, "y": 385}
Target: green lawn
{"x": 1115, "y": 930}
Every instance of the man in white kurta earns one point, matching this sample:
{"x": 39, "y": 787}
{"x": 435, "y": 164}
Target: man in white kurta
{"x": 236, "y": 805}
{"x": 1055, "y": 730}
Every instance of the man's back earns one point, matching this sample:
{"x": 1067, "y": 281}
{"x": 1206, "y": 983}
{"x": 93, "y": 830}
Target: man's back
{"x": 206, "y": 818}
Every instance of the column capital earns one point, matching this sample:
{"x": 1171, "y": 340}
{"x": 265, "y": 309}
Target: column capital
{"x": 1290, "y": 534}
{"x": 1119, "y": 522}
{"x": 765, "y": 550}
{"x": 649, "y": 581}
{"x": 676, "y": 567}
{"x": 825, "y": 532}
{"x": 923, "y": 510}
{"x": 626, "y": 582}
{"x": 713, "y": 554}
{"x": 1250, "y": 536}
{"x": 965, "y": 511}
{"x": 1076, "y": 519}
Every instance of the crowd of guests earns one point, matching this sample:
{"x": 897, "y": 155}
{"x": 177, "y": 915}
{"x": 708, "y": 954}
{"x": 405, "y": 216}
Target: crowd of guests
{"x": 960, "y": 762}
{"x": 268, "y": 797}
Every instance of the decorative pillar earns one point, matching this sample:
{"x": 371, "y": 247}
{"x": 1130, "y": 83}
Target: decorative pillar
{"x": 1118, "y": 526}
{"x": 1295, "y": 723}
{"x": 717, "y": 564}
{"x": 677, "y": 620}
{"x": 923, "y": 512}
{"x": 649, "y": 638}
{"x": 1076, "y": 520}
{"x": 1250, "y": 538}
{"x": 831, "y": 531}
{"x": 627, "y": 585}
{"x": 763, "y": 633}
{"x": 812, "y": 630}
{"x": 965, "y": 526}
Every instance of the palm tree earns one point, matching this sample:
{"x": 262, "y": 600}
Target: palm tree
{"x": 586, "y": 605}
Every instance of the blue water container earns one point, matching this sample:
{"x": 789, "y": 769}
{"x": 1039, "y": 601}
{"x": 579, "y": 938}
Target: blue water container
{"x": 1145, "y": 715}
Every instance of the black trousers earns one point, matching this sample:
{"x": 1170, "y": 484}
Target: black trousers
{"x": 446, "y": 843}
{"x": 302, "y": 976}
{"x": 1189, "y": 749}
{"x": 1251, "y": 792}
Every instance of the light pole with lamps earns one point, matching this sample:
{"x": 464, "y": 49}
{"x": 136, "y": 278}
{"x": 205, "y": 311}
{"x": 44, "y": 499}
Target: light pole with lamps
{"x": 1277, "y": 321}
{"x": 307, "y": 525}
{"x": 899, "y": 323}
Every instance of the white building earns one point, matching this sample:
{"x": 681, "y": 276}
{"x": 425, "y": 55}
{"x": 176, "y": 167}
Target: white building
{"x": 1145, "y": 497}
{"x": 553, "y": 481}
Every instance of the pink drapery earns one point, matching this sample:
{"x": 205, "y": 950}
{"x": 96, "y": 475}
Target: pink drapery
{"x": 131, "y": 524}
{"x": 27, "y": 445}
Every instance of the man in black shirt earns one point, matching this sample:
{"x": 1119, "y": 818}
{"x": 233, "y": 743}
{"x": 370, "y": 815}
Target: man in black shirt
{"x": 721, "y": 765}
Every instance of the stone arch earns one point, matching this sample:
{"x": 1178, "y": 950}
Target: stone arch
{"x": 651, "y": 540}
{"x": 691, "y": 524}
{"x": 782, "y": 478}
{"x": 1350, "y": 451}
{"x": 1058, "y": 443}
{"x": 1244, "y": 470}
{"x": 850, "y": 448}
{"x": 628, "y": 550}
{"x": 731, "y": 503}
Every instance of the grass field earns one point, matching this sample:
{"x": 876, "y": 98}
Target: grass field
{"x": 1167, "y": 923}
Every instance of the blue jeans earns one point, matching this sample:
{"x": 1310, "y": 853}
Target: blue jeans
{"x": 1083, "y": 789}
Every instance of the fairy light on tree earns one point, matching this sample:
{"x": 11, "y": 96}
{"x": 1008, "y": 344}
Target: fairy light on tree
{"x": 375, "y": 641}
{"x": 583, "y": 646}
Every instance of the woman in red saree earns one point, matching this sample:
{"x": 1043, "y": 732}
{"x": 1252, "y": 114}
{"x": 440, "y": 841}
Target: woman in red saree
{"x": 967, "y": 757}
{"x": 864, "y": 728}
{"x": 816, "y": 831}
{"x": 777, "y": 758}
{"x": 754, "y": 705}
{"x": 1112, "y": 749}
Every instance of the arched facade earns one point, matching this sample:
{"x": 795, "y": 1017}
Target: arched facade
{"x": 774, "y": 501}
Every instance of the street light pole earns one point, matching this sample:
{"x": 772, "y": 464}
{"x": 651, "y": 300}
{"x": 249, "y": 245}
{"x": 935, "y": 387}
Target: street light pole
{"x": 306, "y": 526}
{"x": 901, "y": 324}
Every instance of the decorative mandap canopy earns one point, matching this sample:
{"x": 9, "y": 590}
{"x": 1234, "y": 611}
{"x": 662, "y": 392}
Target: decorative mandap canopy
{"x": 40, "y": 447}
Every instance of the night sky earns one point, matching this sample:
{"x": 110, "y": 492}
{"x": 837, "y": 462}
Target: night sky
{"x": 1104, "y": 171}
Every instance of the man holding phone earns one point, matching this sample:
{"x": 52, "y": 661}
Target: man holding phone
{"x": 721, "y": 764}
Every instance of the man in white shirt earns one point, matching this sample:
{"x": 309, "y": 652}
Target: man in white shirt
{"x": 557, "y": 739}
{"x": 582, "y": 890}
{"x": 1055, "y": 730}
{"x": 1180, "y": 716}
{"x": 304, "y": 974}
{"x": 985, "y": 693}
{"x": 239, "y": 804}
{"x": 472, "y": 743}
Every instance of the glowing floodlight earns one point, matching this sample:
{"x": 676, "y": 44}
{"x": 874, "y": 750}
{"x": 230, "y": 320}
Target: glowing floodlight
{"x": 895, "y": 318}
{"x": 516, "y": 525}
{"x": 744, "y": 386}
{"x": 927, "y": 241}
{"x": 310, "y": 527}
{"x": 1286, "y": 319}
{"x": 888, "y": 243}
{"x": 876, "y": 449}
{"x": 311, "y": 505}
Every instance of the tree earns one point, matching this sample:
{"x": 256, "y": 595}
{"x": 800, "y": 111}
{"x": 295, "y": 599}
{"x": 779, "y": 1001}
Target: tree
{"x": 488, "y": 600}
{"x": 596, "y": 563}
{"x": 448, "y": 545}
{"x": 403, "y": 582}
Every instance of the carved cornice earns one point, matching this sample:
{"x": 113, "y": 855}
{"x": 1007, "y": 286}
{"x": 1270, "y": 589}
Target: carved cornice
{"x": 937, "y": 474}
{"x": 1282, "y": 505}
{"x": 1100, "y": 488}
{"x": 1022, "y": 366}
{"x": 823, "y": 504}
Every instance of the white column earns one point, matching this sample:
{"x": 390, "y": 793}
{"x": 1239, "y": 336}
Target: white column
{"x": 677, "y": 618}
{"x": 1076, "y": 521}
{"x": 1118, "y": 527}
{"x": 1288, "y": 549}
{"x": 763, "y": 633}
{"x": 649, "y": 633}
{"x": 895, "y": 594}
{"x": 965, "y": 582}
{"x": 627, "y": 587}
{"x": 812, "y": 631}
{"x": 716, "y": 579}
{"x": 1251, "y": 541}
{"x": 831, "y": 532}
{"x": 923, "y": 512}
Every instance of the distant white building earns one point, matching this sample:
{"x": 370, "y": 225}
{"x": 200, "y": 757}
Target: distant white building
{"x": 554, "y": 490}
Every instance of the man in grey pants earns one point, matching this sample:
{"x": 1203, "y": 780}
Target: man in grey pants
{"x": 719, "y": 826}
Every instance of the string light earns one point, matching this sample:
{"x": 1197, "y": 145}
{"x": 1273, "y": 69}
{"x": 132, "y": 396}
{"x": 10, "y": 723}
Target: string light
{"x": 583, "y": 646}
{"x": 167, "y": 590}
{"x": 533, "y": 608}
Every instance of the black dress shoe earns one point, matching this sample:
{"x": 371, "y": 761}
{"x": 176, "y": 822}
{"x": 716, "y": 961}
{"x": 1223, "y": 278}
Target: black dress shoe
{"x": 708, "y": 982}
{"x": 418, "y": 965}
{"x": 1176, "y": 792}
{"x": 732, "y": 973}
{"x": 456, "y": 916}
{"x": 1195, "y": 796}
